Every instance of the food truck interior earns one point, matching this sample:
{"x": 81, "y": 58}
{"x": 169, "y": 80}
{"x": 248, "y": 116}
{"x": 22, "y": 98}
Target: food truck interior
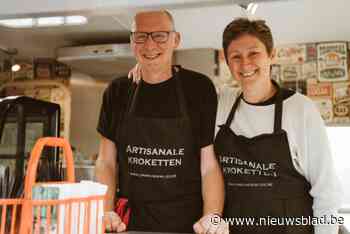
{"x": 66, "y": 52}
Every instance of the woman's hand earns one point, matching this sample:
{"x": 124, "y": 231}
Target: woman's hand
{"x": 211, "y": 224}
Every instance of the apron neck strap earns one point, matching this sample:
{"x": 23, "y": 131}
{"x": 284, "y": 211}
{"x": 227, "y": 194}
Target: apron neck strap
{"x": 278, "y": 109}
{"x": 233, "y": 110}
{"x": 133, "y": 98}
{"x": 179, "y": 91}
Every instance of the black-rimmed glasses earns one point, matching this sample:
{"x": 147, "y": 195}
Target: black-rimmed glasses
{"x": 159, "y": 36}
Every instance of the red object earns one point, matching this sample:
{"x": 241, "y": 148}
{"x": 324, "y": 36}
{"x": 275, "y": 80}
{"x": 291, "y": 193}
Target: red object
{"x": 123, "y": 210}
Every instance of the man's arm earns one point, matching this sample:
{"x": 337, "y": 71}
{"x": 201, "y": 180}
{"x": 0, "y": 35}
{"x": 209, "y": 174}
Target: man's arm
{"x": 212, "y": 182}
{"x": 106, "y": 170}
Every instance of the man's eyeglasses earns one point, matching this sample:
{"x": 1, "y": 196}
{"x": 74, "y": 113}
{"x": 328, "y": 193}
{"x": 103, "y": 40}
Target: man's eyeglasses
{"x": 158, "y": 37}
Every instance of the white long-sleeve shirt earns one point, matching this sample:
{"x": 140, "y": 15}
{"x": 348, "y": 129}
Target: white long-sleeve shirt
{"x": 308, "y": 142}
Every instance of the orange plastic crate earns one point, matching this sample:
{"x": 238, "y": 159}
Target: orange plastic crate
{"x": 25, "y": 216}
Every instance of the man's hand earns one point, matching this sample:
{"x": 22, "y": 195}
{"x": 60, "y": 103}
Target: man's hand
{"x": 113, "y": 223}
{"x": 135, "y": 73}
{"x": 211, "y": 224}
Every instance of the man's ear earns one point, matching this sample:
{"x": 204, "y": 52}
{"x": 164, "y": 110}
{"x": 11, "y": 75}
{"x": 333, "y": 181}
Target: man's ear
{"x": 132, "y": 46}
{"x": 177, "y": 39}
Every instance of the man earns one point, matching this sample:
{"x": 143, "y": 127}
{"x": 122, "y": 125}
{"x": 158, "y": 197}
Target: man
{"x": 157, "y": 138}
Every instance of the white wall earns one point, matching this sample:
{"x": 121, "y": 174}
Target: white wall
{"x": 293, "y": 21}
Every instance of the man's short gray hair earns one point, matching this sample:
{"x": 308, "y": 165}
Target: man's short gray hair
{"x": 166, "y": 12}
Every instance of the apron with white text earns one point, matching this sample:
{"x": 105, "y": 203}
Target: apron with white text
{"x": 260, "y": 180}
{"x": 160, "y": 169}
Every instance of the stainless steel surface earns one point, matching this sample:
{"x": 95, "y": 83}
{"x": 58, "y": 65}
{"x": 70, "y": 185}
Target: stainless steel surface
{"x": 84, "y": 172}
{"x": 104, "y": 61}
{"x": 136, "y": 232}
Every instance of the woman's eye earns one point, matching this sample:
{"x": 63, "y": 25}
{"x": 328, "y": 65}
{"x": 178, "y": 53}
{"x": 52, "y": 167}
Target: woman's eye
{"x": 235, "y": 57}
{"x": 254, "y": 53}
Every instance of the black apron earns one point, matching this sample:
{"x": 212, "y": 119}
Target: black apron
{"x": 160, "y": 169}
{"x": 260, "y": 178}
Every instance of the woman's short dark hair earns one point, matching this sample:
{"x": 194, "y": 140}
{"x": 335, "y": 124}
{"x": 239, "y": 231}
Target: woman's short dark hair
{"x": 244, "y": 26}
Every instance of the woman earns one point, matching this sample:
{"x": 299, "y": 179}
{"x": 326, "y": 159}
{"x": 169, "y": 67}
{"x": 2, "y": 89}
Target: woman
{"x": 272, "y": 143}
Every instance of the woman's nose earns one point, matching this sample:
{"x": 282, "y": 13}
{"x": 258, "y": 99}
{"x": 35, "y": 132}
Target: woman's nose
{"x": 245, "y": 62}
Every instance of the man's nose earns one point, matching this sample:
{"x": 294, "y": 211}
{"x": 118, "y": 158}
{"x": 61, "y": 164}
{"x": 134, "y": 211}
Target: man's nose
{"x": 150, "y": 42}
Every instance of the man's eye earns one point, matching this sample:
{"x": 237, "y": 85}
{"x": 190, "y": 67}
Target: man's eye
{"x": 159, "y": 35}
{"x": 141, "y": 37}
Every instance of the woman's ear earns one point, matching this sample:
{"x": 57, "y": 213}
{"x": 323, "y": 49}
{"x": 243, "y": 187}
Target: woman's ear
{"x": 273, "y": 56}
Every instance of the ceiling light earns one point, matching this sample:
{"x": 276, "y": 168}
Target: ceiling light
{"x": 250, "y": 5}
{"x": 44, "y": 21}
{"x": 250, "y": 8}
{"x": 76, "y": 20}
{"x": 18, "y": 23}
{"x": 253, "y": 8}
{"x": 15, "y": 68}
{"x": 50, "y": 21}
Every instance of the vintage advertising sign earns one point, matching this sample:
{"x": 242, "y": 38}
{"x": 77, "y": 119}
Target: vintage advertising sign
{"x": 341, "y": 102}
{"x": 298, "y": 86}
{"x": 321, "y": 94}
{"x": 332, "y": 61}
{"x": 311, "y": 52}
{"x": 319, "y": 90}
{"x": 291, "y": 54}
{"x": 291, "y": 72}
{"x": 276, "y": 72}
{"x": 325, "y": 106}
{"x": 309, "y": 70}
